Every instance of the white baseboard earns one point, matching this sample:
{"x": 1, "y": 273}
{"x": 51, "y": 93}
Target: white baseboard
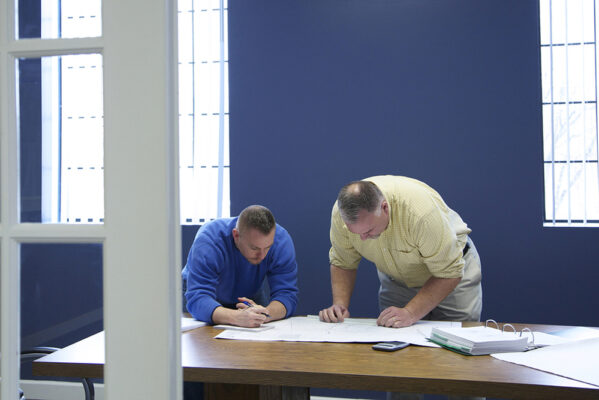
{"x": 52, "y": 390}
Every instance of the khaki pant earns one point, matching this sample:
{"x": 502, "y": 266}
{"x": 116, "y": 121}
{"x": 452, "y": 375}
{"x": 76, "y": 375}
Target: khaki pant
{"x": 463, "y": 304}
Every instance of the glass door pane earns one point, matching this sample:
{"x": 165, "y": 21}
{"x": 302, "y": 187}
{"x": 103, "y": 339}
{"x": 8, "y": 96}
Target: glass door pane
{"x": 61, "y": 300}
{"x": 60, "y": 120}
{"x": 52, "y": 19}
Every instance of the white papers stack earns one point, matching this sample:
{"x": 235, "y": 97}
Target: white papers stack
{"x": 479, "y": 340}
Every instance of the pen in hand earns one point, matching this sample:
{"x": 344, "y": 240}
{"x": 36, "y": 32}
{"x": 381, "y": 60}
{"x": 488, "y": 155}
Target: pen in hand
{"x": 247, "y": 303}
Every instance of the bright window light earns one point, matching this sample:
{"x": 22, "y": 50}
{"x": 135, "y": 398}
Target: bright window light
{"x": 72, "y": 115}
{"x": 570, "y": 138}
{"x": 203, "y": 110}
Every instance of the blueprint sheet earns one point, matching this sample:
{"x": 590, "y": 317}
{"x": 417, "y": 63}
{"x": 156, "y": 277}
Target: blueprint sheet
{"x": 365, "y": 330}
{"x": 576, "y": 359}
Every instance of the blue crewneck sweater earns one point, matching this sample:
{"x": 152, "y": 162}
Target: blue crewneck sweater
{"x": 217, "y": 273}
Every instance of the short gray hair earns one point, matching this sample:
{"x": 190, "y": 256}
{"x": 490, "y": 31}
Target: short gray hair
{"x": 357, "y": 196}
{"x": 256, "y": 217}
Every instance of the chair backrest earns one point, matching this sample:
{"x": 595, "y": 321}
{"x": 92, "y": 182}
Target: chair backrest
{"x": 40, "y": 351}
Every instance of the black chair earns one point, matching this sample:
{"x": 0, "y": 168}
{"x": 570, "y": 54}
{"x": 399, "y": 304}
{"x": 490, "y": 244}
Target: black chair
{"x": 37, "y": 352}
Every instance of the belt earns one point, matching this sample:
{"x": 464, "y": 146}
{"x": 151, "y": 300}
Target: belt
{"x": 466, "y": 248}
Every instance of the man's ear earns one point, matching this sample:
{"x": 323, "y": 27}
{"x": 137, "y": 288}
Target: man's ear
{"x": 385, "y": 207}
{"x": 235, "y": 233}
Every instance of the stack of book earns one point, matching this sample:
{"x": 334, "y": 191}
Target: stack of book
{"x": 479, "y": 340}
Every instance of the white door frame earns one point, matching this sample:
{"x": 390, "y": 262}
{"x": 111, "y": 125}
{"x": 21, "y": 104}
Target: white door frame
{"x": 141, "y": 232}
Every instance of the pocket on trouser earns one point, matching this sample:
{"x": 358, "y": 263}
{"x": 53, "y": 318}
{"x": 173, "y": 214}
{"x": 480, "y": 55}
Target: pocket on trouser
{"x": 465, "y": 302}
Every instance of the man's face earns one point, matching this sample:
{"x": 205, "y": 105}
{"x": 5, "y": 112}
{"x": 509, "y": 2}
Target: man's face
{"x": 370, "y": 225}
{"x": 253, "y": 244}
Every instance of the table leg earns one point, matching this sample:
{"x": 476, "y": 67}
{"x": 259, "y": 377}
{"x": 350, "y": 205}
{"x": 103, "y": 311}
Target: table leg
{"x": 225, "y": 391}
{"x": 284, "y": 393}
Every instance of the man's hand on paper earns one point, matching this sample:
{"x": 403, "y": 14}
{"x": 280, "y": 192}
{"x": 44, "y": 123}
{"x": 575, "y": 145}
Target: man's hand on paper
{"x": 335, "y": 313}
{"x": 395, "y": 317}
{"x": 250, "y": 316}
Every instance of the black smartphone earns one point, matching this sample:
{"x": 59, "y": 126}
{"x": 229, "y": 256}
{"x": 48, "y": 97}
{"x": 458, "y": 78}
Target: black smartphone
{"x": 390, "y": 346}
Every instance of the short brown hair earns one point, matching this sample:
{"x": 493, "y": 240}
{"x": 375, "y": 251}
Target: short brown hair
{"x": 256, "y": 217}
{"x": 357, "y": 196}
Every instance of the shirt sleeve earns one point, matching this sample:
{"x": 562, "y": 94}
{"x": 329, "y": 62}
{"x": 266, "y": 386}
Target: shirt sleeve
{"x": 282, "y": 274}
{"x": 439, "y": 246}
{"x": 342, "y": 253}
{"x": 203, "y": 264}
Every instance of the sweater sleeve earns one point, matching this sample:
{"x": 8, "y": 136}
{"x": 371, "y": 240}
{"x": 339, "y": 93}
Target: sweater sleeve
{"x": 282, "y": 274}
{"x": 203, "y": 270}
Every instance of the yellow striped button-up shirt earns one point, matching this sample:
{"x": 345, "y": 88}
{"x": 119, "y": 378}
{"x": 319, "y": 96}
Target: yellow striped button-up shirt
{"x": 424, "y": 236}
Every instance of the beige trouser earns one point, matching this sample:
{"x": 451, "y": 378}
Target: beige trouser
{"x": 463, "y": 304}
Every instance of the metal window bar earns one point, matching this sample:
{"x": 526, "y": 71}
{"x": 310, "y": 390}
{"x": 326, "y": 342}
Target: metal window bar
{"x": 567, "y": 112}
{"x": 596, "y": 110}
{"x": 584, "y": 120}
{"x": 221, "y": 112}
{"x": 552, "y": 111}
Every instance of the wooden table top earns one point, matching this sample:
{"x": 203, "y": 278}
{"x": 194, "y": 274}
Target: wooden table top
{"x": 337, "y": 365}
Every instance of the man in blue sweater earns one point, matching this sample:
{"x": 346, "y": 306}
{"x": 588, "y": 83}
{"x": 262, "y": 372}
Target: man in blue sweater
{"x": 232, "y": 264}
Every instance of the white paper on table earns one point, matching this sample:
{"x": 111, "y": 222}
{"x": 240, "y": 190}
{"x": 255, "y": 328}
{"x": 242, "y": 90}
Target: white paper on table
{"x": 578, "y": 359}
{"x": 190, "y": 323}
{"x": 244, "y": 328}
{"x": 352, "y": 330}
{"x": 542, "y": 339}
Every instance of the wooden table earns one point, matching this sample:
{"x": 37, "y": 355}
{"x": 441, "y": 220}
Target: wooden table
{"x": 267, "y": 369}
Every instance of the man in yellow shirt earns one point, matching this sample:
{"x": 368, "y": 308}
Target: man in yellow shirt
{"x": 427, "y": 265}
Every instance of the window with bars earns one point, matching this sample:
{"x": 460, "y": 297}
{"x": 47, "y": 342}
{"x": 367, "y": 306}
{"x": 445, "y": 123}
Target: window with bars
{"x": 203, "y": 110}
{"x": 72, "y": 115}
{"x": 569, "y": 97}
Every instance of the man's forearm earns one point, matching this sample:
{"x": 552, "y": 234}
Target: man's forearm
{"x": 276, "y": 310}
{"x": 228, "y": 316}
{"x": 342, "y": 284}
{"x": 223, "y": 315}
{"x": 434, "y": 291}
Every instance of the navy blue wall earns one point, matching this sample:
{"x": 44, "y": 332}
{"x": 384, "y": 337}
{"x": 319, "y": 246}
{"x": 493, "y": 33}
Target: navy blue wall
{"x": 30, "y": 138}
{"x": 324, "y": 92}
